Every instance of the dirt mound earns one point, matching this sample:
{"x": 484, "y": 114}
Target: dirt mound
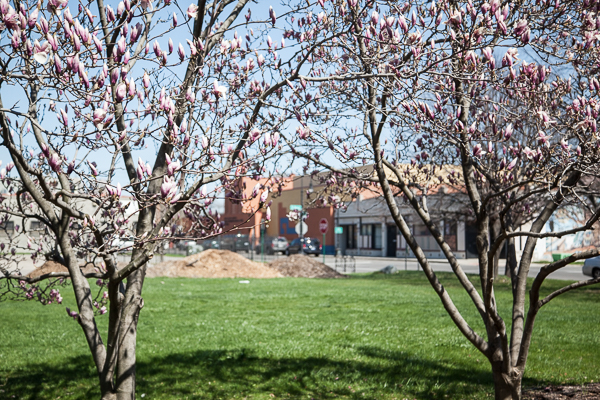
{"x": 213, "y": 264}
{"x": 301, "y": 266}
{"x": 585, "y": 392}
{"x": 53, "y": 266}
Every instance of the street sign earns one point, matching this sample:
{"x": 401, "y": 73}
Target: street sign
{"x": 323, "y": 225}
{"x": 301, "y": 225}
{"x": 339, "y": 230}
{"x": 295, "y": 207}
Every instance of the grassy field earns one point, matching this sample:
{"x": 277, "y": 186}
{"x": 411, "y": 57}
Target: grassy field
{"x": 367, "y": 337}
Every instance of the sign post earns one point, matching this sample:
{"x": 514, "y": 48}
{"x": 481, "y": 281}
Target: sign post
{"x": 323, "y": 226}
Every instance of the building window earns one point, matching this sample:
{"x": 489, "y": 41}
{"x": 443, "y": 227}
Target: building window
{"x": 35, "y": 225}
{"x": 371, "y": 236}
{"x": 424, "y": 238}
{"x": 8, "y": 227}
{"x": 351, "y": 236}
{"x": 366, "y": 230}
{"x": 450, "y": 235}
{"x": 377, "y": 237}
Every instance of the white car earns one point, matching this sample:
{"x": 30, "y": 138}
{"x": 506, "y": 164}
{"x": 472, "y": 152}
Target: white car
{"x": 125, "y": 245}
{"x": 591, "y": 267}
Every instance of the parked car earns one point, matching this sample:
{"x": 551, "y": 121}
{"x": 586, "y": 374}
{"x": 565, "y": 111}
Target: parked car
{"x": 125, "y": 245}
{"x": 237, "y": 242}
{"x": 273, "y": 245}
{"x": 279, "y": 244}
{"x": 591, "y": 267}
{"x": 304, "y": 245}
{"x": 184, "y": 244}
{"x": 189, "y": 246}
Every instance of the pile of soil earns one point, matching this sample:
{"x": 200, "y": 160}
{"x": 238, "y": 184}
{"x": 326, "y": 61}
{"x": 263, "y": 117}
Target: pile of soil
{"x": 585, "y": 392}
{"x": 213, "y": 264}
{"x": 53, "y": 266}
{"x": 301, "y": 266}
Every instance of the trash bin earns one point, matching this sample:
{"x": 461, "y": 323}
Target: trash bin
{"x": 559, "y": 256}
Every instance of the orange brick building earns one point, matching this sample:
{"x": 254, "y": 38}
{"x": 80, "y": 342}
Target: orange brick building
{"x": 245, "y": 218}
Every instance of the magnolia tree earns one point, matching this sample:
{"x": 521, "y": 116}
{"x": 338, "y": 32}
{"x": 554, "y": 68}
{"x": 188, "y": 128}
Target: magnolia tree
{"x": 497, "y": 99}
{"x": 137, "y": 111}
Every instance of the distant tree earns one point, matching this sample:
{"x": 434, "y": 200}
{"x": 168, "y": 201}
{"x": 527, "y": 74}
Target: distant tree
{"x": 407, "y": 87}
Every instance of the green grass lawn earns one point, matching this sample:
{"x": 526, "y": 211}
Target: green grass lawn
{"x": 367, "y": 337}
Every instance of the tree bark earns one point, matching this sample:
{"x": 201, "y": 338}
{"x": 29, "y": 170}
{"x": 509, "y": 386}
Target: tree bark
{"x": 495, "y": 230}
{"x": 507, "y": 386}
{"x": 126, "y": 368}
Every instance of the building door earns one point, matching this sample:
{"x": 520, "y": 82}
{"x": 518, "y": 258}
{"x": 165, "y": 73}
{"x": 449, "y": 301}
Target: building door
{"x": 391, "y": 241}
{"x": 470, "y": 240}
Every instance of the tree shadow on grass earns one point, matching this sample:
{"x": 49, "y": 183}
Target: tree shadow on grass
{"x": 228, "y": 374}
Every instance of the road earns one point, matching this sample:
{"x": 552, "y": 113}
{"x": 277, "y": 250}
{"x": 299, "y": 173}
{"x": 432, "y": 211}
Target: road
{"x": 372, "y": 264}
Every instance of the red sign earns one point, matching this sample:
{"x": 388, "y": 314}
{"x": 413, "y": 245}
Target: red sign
{"x": 323, "y": 225}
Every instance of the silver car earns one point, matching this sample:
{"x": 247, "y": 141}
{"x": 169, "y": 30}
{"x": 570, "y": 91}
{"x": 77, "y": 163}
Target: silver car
{"x": 591, "y": 267}
{"x": 279, "y": 244}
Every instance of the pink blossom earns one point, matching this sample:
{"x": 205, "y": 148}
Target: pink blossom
{"x": 121, "y": 92}
{"x": 121, "y": 46}
{"x": 32, "y": 19}
{"x": 219, "y": 91}
{"x": 99, "y": 115}
{"x": 192, "y": 11}
{"x": 264, "y": 195}
{"x": 54, "y": 5}
{"x": 55, "y": 162}
{"x": 521, "y": 27}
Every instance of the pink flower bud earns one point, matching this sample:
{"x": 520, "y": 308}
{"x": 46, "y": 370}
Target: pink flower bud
{"x": 156, "y": 48}
{"x": 268, "y": 214}
{"x": 120, "y": 8}
{"x": 131, "y": 88}
{"x": 190, "y": 96}
{"x": 54, "y": 161}
{"x": 272, "y": 15}
{"x": 64, "y": 118}
{"x": 121, "y": 92}
{"x": 181, "y": 52}
{"x": 264, "y": 195}
{"x": 374, "y": 17}
{"x": 57, "y": 64}
{"x": 33, "y": 18}
{"x": 110, "y": 14}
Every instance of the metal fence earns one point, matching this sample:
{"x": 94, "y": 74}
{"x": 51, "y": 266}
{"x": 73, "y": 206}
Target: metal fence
{"x": 341, "y": 263}
{"x": 344, "y": 263}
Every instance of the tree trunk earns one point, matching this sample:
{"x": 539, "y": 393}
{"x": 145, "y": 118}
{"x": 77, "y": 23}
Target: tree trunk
{"x": 133, "y": 303}
{"x": 506, "y": 387}
{"x": 125, "y": 381}
{"x": 108, "y": 396}
{"x": 495, "y": 229}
